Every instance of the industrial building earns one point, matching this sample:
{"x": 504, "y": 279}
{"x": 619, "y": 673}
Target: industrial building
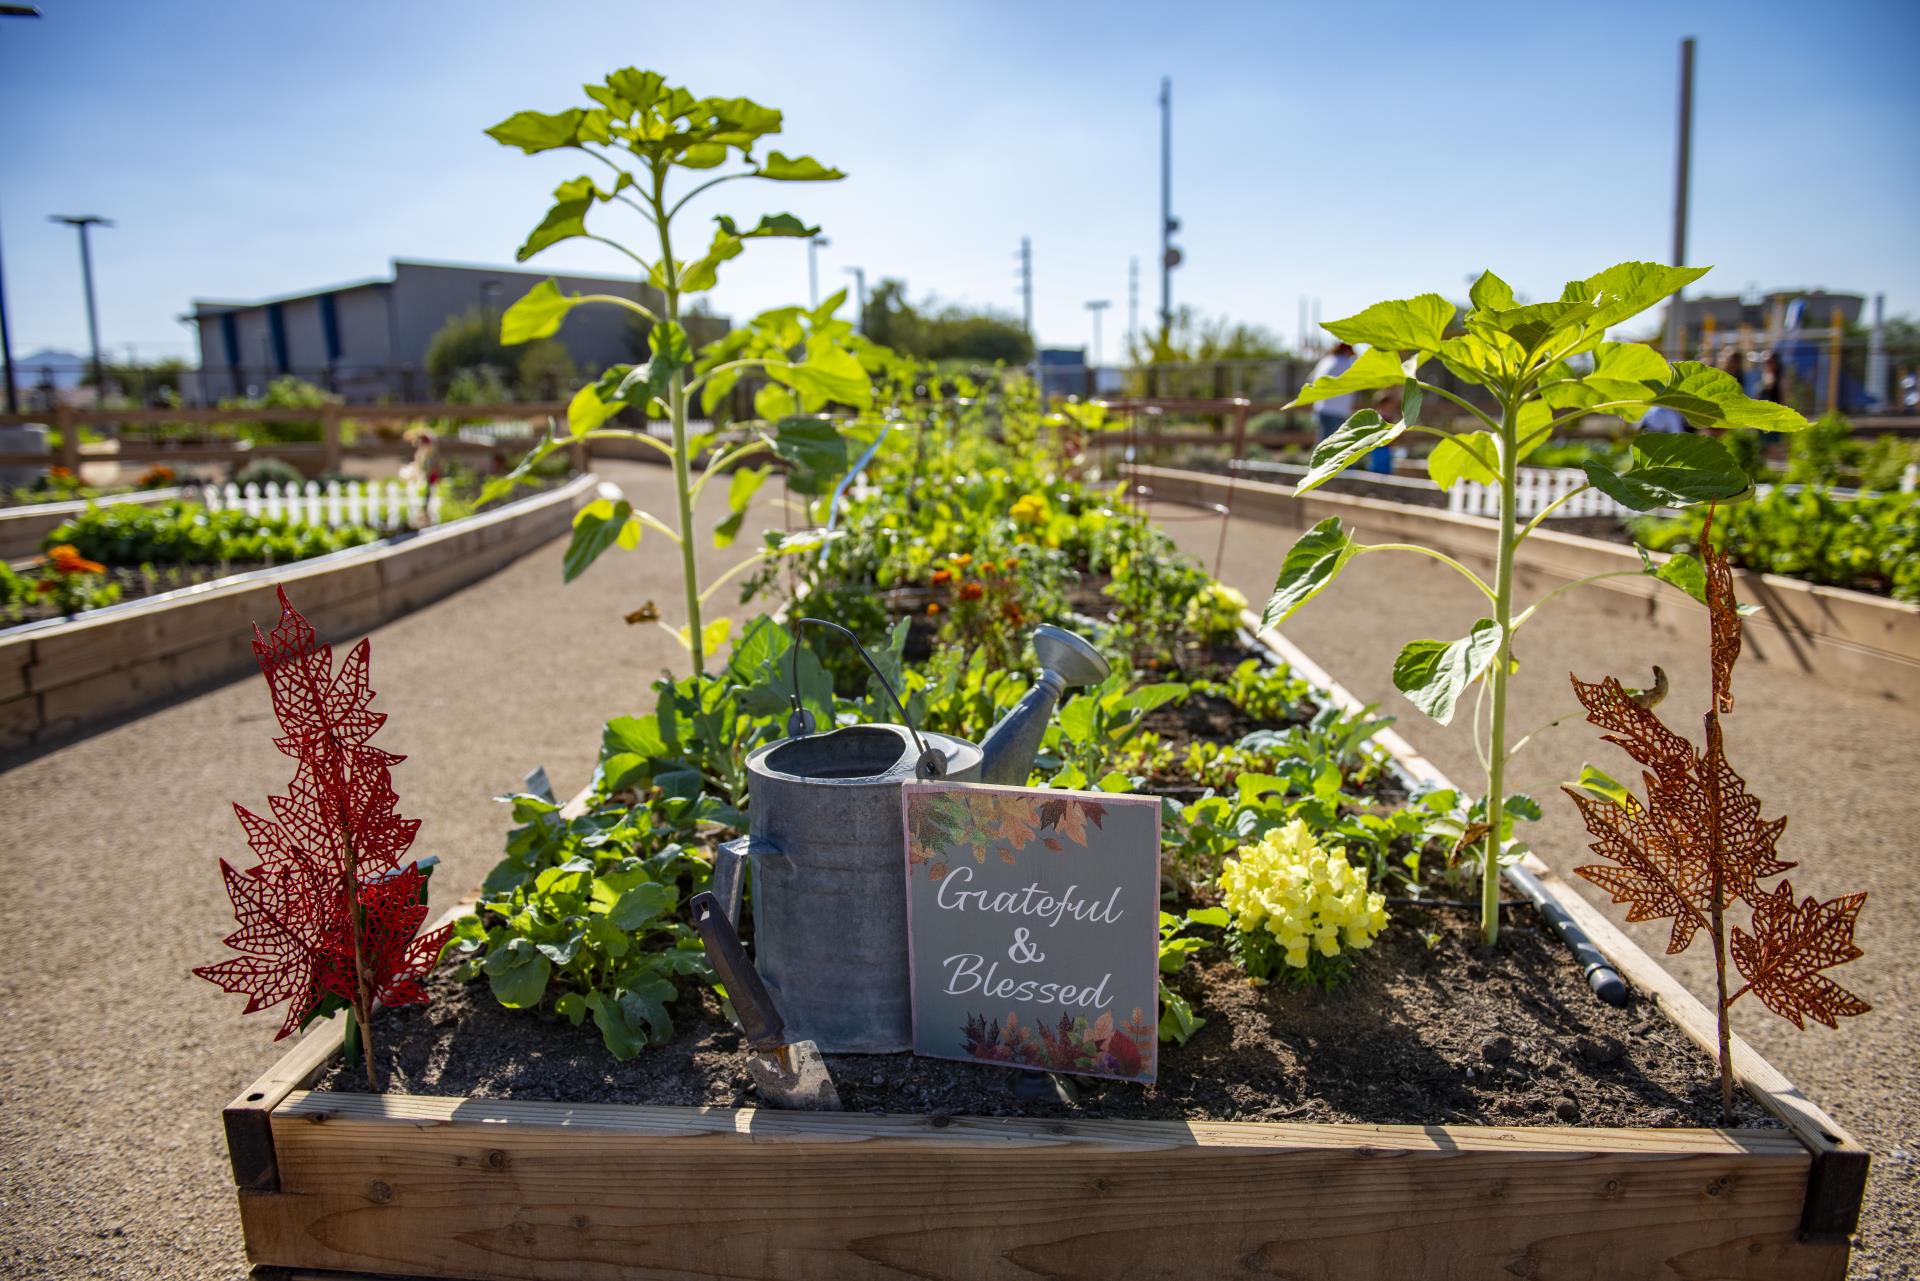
{"x": 367, "y": 340}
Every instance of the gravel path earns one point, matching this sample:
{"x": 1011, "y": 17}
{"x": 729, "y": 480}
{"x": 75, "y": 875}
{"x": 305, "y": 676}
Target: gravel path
{"x": 114, "y": 1060}
{"x": 112, "y": 1162}
{"x": 1842, "y": 765}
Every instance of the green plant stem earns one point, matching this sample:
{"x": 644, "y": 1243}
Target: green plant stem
{"x": 1529, "y": 611}
{"x": 1548, "y": 510}
{"x": 1442, "y": 557}
{"x": 735, "y": 572}
{"x": 1502, "y": 664}
{"x": 677, "y": 410}
{"x": 1444, "y": 394}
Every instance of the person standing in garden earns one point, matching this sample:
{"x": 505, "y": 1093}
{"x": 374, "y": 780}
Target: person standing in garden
{"x": 1334, "y": 410}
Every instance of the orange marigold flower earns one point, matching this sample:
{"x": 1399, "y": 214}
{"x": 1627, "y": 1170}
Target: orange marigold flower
{"x": 67, "y": 559}
{"x": 1013, "y": 563}
{"x": 57, "y": 472}
{"x": 961, "y": 558}
{"x": 942, "y": 576}
{"x": 1011, "y": 612}
{"x": 933, "y": 607}
{"x": 972, "y": 591}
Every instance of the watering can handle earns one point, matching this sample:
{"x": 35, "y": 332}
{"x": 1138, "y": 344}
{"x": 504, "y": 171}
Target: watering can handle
{"x": 931, "y": 764}
{"x": 730, "y": 871}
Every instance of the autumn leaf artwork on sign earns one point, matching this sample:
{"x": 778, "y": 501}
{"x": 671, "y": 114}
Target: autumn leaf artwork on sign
{"x": 1000, "y": 823}
{"x": 1698, "y": 844}
{"x": 330, "y": 915}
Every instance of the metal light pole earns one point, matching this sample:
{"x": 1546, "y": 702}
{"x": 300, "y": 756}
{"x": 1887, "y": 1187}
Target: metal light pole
{"x": 1133, "y": 305}
{"x": 1169, "y": 253}
{"x": 1026, "y": 284}
{"x": 1096, "y": 306}
{"x": 84, "y": 221}
{"x": 814, "y": 245}
{"x": 1683, "y": 164}
{"x": 859, "y": 275}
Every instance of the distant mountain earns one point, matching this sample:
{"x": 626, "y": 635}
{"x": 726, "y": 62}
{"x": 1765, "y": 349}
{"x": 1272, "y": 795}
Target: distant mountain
{"x": 63, "y": 369}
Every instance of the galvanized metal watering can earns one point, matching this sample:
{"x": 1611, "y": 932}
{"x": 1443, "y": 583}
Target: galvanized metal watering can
{"x": 828, "y": 846}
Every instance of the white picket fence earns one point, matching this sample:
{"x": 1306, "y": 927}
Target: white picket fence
{"x": 391, "y": 504}
{"x": 496, "y": 433}
{"x": 1538, "y": 487}
{"x": 1534, "y": 488}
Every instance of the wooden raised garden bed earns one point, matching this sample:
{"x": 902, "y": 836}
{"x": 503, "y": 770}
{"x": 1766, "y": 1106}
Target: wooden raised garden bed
{"x": 336, "y": 1184}
{"x": 58, "y": 676}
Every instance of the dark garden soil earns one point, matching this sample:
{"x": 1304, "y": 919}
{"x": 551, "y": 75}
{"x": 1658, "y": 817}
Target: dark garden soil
{"x": 1427, "y": 1029}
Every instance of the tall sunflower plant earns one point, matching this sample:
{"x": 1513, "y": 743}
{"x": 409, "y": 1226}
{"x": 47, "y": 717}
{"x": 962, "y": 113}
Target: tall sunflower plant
{"x": 656, "y": 149}
{"x": 1539, "y": 367}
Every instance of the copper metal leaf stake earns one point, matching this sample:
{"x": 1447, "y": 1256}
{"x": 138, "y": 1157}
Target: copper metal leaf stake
{"x": 330, "y": 910}
{"x": 1698, "y": 843}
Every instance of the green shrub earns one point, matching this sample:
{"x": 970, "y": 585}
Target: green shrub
{"x": 184, "y": 533}
{"x": 268, "y": 471}
{"x": 1871, "y": 543}
{"x": 285, "y": 392}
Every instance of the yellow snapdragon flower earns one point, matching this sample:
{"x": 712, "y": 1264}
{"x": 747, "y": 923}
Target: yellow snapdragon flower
{"x": 1309, "y": 899}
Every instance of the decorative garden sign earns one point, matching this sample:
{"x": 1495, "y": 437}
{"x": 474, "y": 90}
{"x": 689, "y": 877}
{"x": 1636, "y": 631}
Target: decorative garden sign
{"x": 1033, "y": 927}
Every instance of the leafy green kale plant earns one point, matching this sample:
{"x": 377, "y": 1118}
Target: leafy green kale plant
{"x": 653, "y": 139}
{"x": 1540, "y": 367}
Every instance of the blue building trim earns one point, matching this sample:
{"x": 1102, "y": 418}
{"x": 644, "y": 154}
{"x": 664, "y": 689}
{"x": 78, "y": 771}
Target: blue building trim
{"x": 330, "y": 327}
{"x": 277, "y": 330}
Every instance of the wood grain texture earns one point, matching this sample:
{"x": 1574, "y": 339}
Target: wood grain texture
{"x": 493, "y": 1190}
{"x": 248, "y": 1119}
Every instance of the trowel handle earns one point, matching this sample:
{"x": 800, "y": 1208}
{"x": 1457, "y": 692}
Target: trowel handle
{"x": 759, "y": 1019}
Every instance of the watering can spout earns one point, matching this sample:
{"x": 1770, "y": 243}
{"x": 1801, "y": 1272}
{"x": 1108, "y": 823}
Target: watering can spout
{"x": 1066, "y": 659}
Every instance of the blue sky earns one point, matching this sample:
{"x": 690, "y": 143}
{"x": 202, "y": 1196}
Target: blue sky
{"x": 1334, "y": 151}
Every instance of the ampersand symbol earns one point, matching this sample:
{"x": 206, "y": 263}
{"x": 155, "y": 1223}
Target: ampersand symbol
{"x": 1022, "y": 951}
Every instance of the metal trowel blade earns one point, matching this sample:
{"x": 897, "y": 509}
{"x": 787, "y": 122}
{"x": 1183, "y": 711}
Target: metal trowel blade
{"x": 794, "y": 1076}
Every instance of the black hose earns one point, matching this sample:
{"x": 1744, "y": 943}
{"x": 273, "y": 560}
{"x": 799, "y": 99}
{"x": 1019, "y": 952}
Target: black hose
{"x": 1601, "y": 976}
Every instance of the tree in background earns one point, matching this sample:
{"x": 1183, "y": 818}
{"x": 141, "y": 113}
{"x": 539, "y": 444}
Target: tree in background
{"x": 469, "y": 364}
{"x": 1197, "y": 338}
{"x": 941, "y": 332}
{"x": 151, "y": 383}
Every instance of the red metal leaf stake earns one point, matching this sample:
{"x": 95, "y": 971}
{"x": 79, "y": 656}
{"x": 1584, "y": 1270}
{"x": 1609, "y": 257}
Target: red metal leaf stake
{"x": 330, "y": 909}
{"x": 1698, "y": 843}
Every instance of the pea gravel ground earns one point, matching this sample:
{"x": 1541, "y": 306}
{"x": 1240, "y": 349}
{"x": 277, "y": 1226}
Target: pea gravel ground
{"x": 114, "y": 1061}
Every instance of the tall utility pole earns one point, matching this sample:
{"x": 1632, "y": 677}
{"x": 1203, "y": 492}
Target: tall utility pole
{"x": 6, "y": 352}
{"x": 1683, "y": 164}
{"x": 6, "y": 340}
{"x": 1133, "y": 305}
{"x": 1169, "y": 254}
{"x": 1096, "y": 306}
{"x": 83, "y": 222}
{"x": 859, "y": 275}
{"x": 1026, "y": 284}
{"x": 814, "y": 245}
